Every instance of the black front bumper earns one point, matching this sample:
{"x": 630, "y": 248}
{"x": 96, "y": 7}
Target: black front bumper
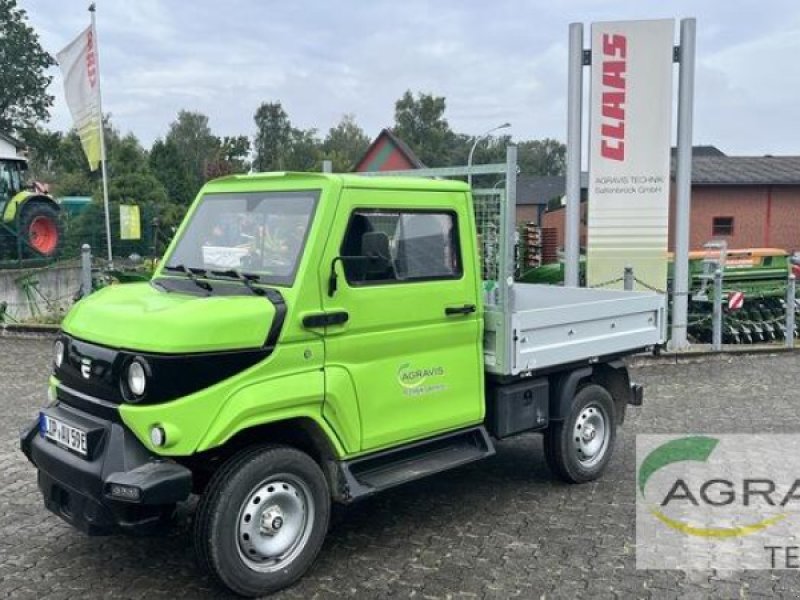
{"x": 118, "y": 486}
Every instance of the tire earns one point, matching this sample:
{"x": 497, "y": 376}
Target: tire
{"x": 574, "y": 452}
{"x": 41, "y": 229}
{"x": 263, "y": 503}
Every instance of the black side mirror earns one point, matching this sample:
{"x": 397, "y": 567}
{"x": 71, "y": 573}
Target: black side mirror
{"x": 375, "y": 258}
{"x": 375, "y": 248}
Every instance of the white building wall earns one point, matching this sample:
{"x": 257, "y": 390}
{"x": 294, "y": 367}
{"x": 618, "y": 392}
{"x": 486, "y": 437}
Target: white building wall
{"x": 7, "y": 150}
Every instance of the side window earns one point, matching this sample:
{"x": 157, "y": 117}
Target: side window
{"x": 409, "y": 246}
{"x": 5, "y": 183}
{"x": 722, "y": 226}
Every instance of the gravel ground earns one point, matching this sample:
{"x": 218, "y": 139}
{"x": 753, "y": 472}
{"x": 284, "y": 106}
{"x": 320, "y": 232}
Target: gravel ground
{"x": 498, "y": 529}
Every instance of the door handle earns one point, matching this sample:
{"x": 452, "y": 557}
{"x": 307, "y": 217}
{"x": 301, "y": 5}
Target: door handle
{"x": 323, "y": 319}
{"x": 460, "y": 310}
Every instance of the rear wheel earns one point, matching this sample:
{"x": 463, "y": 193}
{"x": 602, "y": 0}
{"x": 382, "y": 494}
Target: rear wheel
{"x": 262, "y": 520}
{"x": 579, "y": 447}
{"x": 40, "y": 228}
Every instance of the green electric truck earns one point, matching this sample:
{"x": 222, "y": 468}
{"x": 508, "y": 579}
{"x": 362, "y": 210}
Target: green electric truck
{"x": 311, "y": 339}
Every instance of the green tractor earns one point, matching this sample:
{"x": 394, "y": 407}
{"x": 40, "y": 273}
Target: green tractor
{"x": 29, "y": 222}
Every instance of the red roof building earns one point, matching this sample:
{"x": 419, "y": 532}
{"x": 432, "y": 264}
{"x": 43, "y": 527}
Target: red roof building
{"x": 387, "y": 152}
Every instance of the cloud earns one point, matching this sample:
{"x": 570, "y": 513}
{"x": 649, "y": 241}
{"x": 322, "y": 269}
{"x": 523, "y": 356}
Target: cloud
{"x": 494, "y": 61}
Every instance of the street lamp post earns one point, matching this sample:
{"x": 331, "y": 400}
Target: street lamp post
{"x": 477, "y": 141}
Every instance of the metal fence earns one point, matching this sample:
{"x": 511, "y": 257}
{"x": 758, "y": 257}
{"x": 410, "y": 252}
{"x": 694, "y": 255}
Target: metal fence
{"x": 765, "y": 319}
{"x": 87, "y": 228}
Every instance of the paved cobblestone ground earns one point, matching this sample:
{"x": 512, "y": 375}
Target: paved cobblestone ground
{"x": 499, "y": 529}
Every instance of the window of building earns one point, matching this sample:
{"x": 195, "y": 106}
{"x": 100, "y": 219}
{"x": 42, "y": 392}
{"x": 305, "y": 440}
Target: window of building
{"x": 722, "y": 226}
{"x": 416, "y": 245}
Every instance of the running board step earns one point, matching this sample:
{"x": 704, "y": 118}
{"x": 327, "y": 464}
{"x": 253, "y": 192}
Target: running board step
{"x": 370, "y": 474}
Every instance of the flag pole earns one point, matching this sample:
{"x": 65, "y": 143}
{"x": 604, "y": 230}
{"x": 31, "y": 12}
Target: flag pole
{"x": 102, "y": 141}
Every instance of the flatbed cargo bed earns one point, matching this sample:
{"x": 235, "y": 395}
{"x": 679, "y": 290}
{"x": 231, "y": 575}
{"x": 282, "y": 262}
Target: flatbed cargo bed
{"x": 547, "y": 326}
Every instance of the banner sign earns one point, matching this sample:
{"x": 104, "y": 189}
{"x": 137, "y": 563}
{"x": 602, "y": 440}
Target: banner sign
{"x": 78, "y": 62}
{"x": 629, "y": 155}
{"x": 130, "y": 223}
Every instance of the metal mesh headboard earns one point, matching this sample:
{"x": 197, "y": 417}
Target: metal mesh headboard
{"x": 489, "y": 207}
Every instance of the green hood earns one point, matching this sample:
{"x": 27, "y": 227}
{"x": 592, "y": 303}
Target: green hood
{"x": 137, "y": 316}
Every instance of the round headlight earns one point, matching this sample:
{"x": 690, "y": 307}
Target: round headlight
{"x": 58, "y": 353}
{"x": 137, "y": 378}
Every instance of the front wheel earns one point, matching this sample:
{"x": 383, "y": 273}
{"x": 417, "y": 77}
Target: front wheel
{"x": 578, "y": 448}
{"x": 262, "y": 520}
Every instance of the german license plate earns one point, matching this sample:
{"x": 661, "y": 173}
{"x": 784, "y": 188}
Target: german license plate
{"x": 63, "y": 434}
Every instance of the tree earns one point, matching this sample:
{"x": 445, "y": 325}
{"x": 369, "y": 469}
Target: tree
{"x": 542, "y": 157}
{"x": 58, "y": 159}
{"x": 71, "y": 157}
{"x": 273, "y": 137}
{"x": 345, "y": 144}
{"x": 23, "y": 82}
{"x": 125, "y": 155}
{"x": 281, "y": 147}
{"x": 489, "y": 150}
{"x": 72, "y": 184}
{"x": 195, "y": 144}
{"x": 232, "y": 157}
{"x": 273, "y": 133}
{"x": 421, "y": 124}
{"x": 304, "y": 152}
{"x": 235, "y": 150}
{"x": 131, "y": 181}
{"x": 43, "y": 152}
{"x": 168, "y": 167}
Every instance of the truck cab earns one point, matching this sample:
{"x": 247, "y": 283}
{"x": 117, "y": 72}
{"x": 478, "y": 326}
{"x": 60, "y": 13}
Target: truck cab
{"x": 309, "y": 339}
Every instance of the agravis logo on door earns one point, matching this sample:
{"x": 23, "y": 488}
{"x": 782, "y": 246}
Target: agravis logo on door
{"x": 416, "y": 380}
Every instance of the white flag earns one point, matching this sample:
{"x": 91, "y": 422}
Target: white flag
{"x": 78, "y": 62}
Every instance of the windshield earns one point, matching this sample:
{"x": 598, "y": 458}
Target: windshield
{"x": 10, "y": 178}
{"x": 261, "y": 233}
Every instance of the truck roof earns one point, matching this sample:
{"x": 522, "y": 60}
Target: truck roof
{"x": 347, "y": 180}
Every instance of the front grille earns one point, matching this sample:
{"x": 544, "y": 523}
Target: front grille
{"x": 92, "y": 370}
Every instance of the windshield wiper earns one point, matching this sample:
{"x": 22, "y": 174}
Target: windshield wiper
{"x": 246, "y": 278}
{"x": 191, "y": 273}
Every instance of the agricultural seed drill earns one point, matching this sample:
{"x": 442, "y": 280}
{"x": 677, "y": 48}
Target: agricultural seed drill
{"x": 753, "y": 293}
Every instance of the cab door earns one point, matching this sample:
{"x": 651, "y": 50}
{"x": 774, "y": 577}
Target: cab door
{"x": 409, "y": 328}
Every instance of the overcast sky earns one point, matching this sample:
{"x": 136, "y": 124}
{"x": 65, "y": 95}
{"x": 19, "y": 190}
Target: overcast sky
{"x": 494, "y": 61}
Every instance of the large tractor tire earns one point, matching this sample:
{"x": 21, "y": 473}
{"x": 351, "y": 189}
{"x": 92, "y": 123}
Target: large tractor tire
{"x": 40, "y": 228}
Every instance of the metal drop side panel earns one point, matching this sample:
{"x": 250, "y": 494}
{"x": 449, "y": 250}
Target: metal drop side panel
{"x": 553, "y": 326}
